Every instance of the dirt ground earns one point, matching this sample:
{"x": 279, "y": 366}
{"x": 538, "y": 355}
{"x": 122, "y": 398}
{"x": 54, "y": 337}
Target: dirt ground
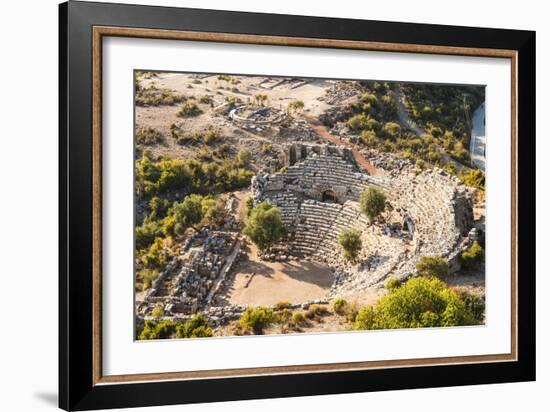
{"x": 258, "y": 282}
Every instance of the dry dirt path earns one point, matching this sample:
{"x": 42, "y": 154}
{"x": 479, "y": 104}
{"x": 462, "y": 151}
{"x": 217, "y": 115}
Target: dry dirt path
{"x": 404, "y": 115}
{"x": 322, "y": 131}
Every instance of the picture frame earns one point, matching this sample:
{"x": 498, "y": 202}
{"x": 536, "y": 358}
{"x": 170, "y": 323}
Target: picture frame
{"x": 83, "y": 27}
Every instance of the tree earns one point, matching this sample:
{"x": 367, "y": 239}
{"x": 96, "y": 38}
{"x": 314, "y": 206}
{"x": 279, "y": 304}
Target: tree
{"x": 265, "y": 227}
{"x": 432, "y": 266}
{"x": 350, "y": 241}
{"x": 187, "y": 213}
{"x": 420, "y": 302}
{"x": 244, "y": 158}
{"x": 156, "y": 257}
{"x": 373, "y": 202}
{"x": 295, "y": 106}
{"x": 214, "y": 213}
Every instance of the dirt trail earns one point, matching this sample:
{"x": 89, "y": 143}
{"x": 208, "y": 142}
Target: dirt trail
{"x": 322, "y": 131}
{"x": 404, "y": 115}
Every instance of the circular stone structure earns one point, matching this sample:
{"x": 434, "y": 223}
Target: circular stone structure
{"x": 262, "y": 116}
{"x": 429, "y": 213}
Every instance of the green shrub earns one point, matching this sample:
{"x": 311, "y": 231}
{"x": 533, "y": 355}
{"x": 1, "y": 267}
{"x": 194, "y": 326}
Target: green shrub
{"x": 369, "y": 139}
{"x": 147, "y": 277}
{"x": 264, "y": 226}
{"x": 197, "y": 327}
{"x": 148, "y": 136}
{"x": 156, "y": 256}
{"x": 189, "y": 110}
{"x": 475, "y": 303}
{"x": 248, "y": 206}
{"x": 153, "y": 96}
{"x": 257, "y": 319}
{"x": 350, "y": 241}
{"x": 351, "y": 311}
{"x": 473, "y": 178}
{"x": 157, "y": 330}
{"x": 158, "y": 311}
{"x": 373, "y": 202}
{"x": 473, "y": 256}
{"x": 282, "y": 316}
{"x": 339, "y": 305}
{"x": 432, "y": 266}
{"x": 147, "y": 232}
{"x": 298, "y": 318}
{"x": 391, "y": 129}
{"x": 244, "y": 157}
{"x": 358, "y": 122}
{"x": 315, "y": 312}
{"x": 206, "y": 99}
{"x": 211, "y": 136}
{"x": 393, "y": 283}
{"x": 420, "y": 302}
{"x": 283, "y": 304}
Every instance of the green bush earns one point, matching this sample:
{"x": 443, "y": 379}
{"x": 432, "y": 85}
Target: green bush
{"x": 264, "y": 226}
{"x": 475, "y": 303}
{"x": 189, "y": 109}
{"x": 350, "y": 241}
{"x": 315, "y": 312}
{"x": 147, "y": 232}
{"x": 248, "y": 206}
{"x": 148, "y": 136}
{"x": 147, "y": 277}
{"x": 157, "y": 330}
{"x": 153, "y": 96}
{"x": 156, "y": 256}
{"x": 432, "y": 266}
{"x": 257, "y": 319}
{"x": 473, "y": 256}
{"x": 298, "y": 318}
{"x": 339, "y": 305}
{"x": 373, "y": 202}
{"x": 211, "y": 136}
{"x": 393, "y": 283}
{"x": 392, "y": 129}
{"x": 283, "y": 304}
{"x": 420, "y": 302}
{"x": 158, "y": 311}
{"x": 473, "y": 178}
{"x": 244, "y": 157}
{"x": 197, "y": 327}
{"x": 358, "y": 122}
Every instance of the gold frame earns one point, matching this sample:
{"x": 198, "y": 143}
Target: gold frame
{"x": 102, "y": 31}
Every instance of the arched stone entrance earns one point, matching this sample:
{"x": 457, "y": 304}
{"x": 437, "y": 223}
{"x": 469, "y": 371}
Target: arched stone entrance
{"x": 329, "y": 196}
{"x": 291, "y": 155}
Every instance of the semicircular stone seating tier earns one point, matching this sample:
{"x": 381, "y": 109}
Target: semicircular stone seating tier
{"x": 437, "y": 204}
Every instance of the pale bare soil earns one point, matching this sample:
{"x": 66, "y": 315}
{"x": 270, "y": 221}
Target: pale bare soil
{"x": 260, "y": 283}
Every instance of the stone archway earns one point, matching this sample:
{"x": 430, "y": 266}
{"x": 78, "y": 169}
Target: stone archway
{"x": 292, "y": 155}
{"x": 329, "y": 196}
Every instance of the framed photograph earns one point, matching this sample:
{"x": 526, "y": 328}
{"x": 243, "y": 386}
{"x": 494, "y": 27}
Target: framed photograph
{"x": 257, "y": 206}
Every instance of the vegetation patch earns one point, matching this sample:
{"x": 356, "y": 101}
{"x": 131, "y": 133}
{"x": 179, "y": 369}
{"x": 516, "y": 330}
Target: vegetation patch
{"x": 420, "y": 302}
{"x": 148, "y": 136}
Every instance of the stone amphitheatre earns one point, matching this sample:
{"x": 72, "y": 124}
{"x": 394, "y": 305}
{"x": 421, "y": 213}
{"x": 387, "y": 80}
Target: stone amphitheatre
{"x": 315, "y": 180}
